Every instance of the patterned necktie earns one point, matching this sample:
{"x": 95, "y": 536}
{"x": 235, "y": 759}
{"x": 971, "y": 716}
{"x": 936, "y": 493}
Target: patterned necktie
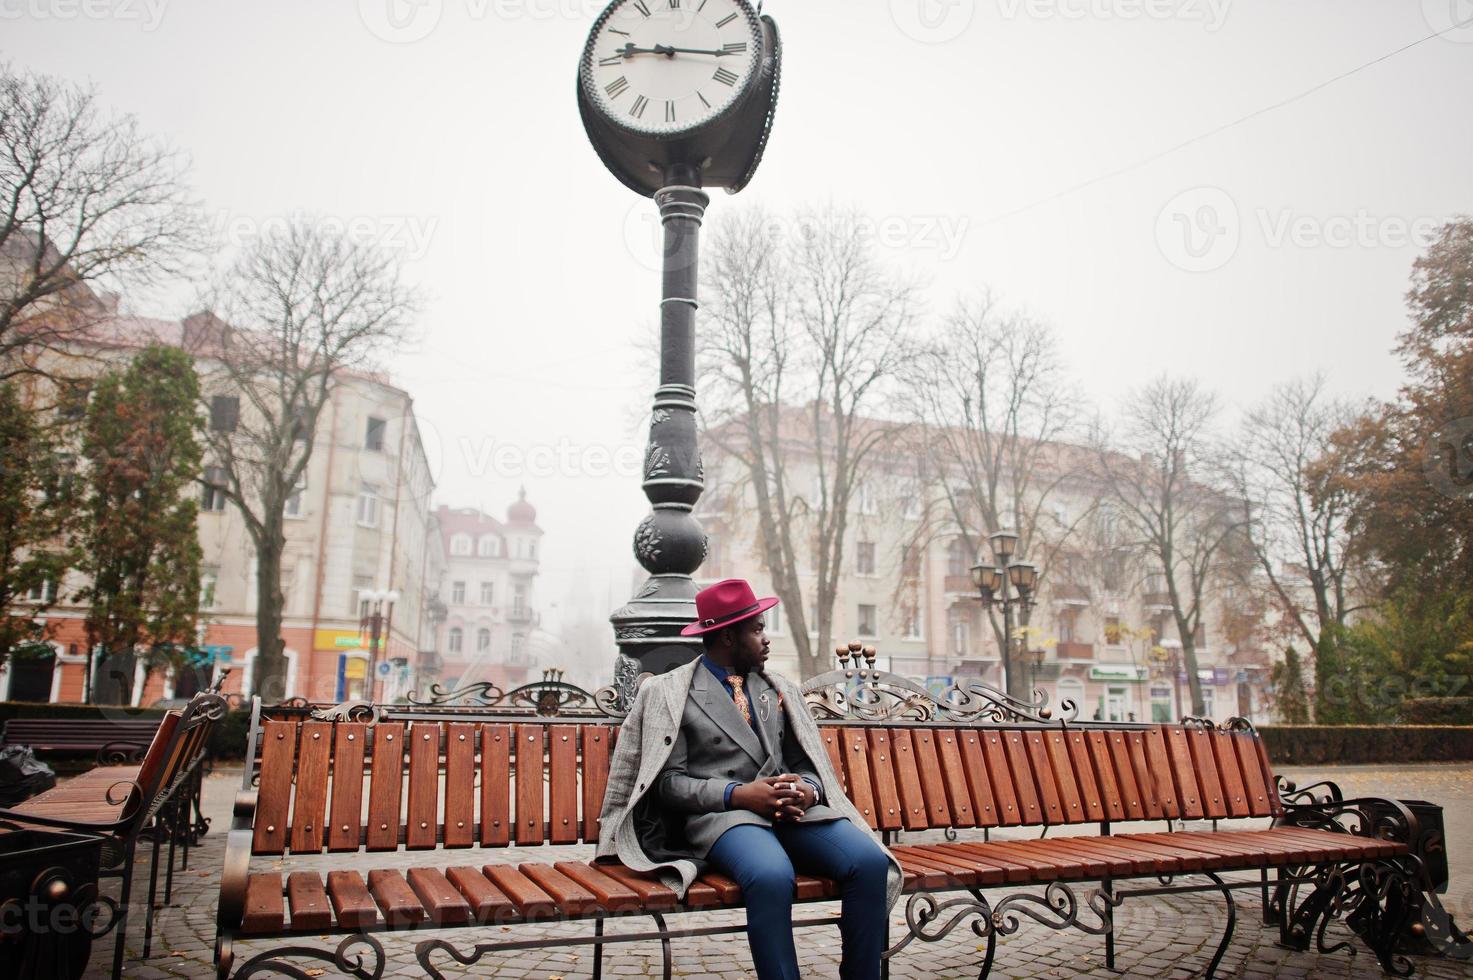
{"x": 740, "y": 697}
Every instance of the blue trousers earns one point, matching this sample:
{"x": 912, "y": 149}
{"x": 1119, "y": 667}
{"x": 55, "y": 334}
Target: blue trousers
{"x": 763, "y": 861}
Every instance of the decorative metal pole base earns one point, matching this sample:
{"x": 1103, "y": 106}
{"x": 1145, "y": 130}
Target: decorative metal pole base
{"x": 669, "y": 543}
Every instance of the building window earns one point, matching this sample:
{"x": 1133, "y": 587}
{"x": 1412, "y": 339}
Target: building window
{"x": 488, "y": 547}
{"x": 913, "y": 624}
{"x": 518, "y": 641}
{"x": 1068, "y": 625}
{"x": 531, "y": 549}
{"x": 864, "y": 559}
{"x": 460, "y": 544}
{"x": 519, "y": 600}
{"x": 488, "y": 593}
{"x": 207, "y": 585}
{"x": 294, "y": 502}
{"x": 772, "y": 622}
{"x": 866, "y": 499}
{"x": 1160, "y": 704}
{"x": 301, "y": 426}
{"x": 373, "y": 436}
{"x": 483, "y": 640}
{"x": 1113, "y": 632}
{"x": 958, "y": 562}
{"x": 457, "y": 593}
{"x": 212, "y": 492}
{"x": 224, "y": 413}
{"x": 867, "y": 620}
{"x": 959, "y": 634}
{"x": 44, "y": 591}
{"x": 456, "y": 641}
{"x": 367, "y": 507}
{"x": 1199, "y": 637}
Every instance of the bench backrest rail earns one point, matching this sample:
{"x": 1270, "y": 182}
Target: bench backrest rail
{"x": 343, "y": 785}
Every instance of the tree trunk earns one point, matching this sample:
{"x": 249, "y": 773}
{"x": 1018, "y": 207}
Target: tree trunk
{"x": 270, "y": 669}
{"x": 1189, "y": 660}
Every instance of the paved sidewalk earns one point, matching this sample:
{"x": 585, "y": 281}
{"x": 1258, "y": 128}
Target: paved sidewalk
{"x": 1169, "y": 937}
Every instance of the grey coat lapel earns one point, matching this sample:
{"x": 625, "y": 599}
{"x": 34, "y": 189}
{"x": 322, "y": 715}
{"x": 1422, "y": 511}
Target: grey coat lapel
{"x": 769, "y": 717}
{"x": 708, "y": 694}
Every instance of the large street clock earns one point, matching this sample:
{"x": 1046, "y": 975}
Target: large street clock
{"x": 676, "y": 84}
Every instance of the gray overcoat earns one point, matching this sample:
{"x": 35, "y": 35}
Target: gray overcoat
{"x": 644, "y": 833}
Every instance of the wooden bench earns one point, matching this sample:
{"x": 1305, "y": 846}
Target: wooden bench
{"x": 114, "y": 741}
{"x": 974, "y": 761}
{"x": 124, "y": 804}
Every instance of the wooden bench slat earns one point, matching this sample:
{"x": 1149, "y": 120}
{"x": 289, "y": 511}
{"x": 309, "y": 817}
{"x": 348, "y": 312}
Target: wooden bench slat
{"x": 933, "y": 787}
{"x": 1111, "y": 798}
{"x": 495, "y": 785}
{"x": 978, "y": 784}
{"x": 835, "y": 751}
{"x": 1118, "y": 859}
{"x": 996, "y": 764}
{"x": 309, "y": 808}
{"x": 423, "y": 817}
{"x": 654, "y": 894}
{"x": 1065, "y": 778}
{"x": 614, "y": 894}
{"x": 955, "y": 873}
{"x": 1085, "y": 777}
{"x": 487, "y": 902}
{"x": 442, "y": 901}
{"x": 273, "y": 797}
{"x": 344, "y": 833}
{"x": 1044, "y": 865}
{"x": 562, "y": 768}
{"x": 1253, "y": 777}
{"x": 1234, "y": 787}
{"x": 400, "y": 905}
{"x": 889, "y": 813}
{"x": 571, "y": 897}
{"x": 1158, "y": 764}
{"x": 1145, "y": 780}
{"x": 954, "y": 779}
{"x": 1130, "y": 793}
{"x": 265, "y": 910}
{"x": 350, "y": 900}
{"x": 1205, "y": 769}
{"x": 857, "y": 775}
{"x": 984, "y": 872}
{"x": 1183, "y": 777}
{"x": 1094, "y": 864}
{"x": 597, "y": 742}
{"x": 724, "y": 889}
{"x": 460, "y": 784}
{"x": 907, "y": 780}
{"x": 1024, "y": 782}
{"x": 1012, "y": 870}
{"x": 529, "y": 751}
{"x": 385, "y": 786}
{"x": 307, "y": 899}
{"x": 1050, "y": 798}
{"x": 919, "y": 874}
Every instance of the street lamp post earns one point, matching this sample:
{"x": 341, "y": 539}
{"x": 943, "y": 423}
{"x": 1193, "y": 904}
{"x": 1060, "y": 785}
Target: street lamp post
{"x": 377, "y": 623}
{"x": 1009, "y": 583}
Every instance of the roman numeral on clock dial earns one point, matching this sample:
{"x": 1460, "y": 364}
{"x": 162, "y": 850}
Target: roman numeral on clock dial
{"x": 726, "y": 20}
{"x": 669, "y": 110}
{"x": 637, "y": 110}
{"x": 725, "y": 77}
{"x": 616, "y": 87}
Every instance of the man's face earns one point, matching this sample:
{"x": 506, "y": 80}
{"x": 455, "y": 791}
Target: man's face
{"x": 750, "y": 652}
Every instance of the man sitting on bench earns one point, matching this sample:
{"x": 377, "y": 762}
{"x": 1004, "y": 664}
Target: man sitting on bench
{"x": 737, "y": 777}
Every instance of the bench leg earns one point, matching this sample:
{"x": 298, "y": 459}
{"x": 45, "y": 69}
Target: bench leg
{"x": 124, "y": 906}
{"x": 1109, "y": 926}
{"x": 1268, "y": 909}
{"x": 153, "y": 887}
{"x": 348, "y": 961}
{"x": 1227, "y": 932}
{"x": 173, "y": 839}
{"x": 664, "y": 944}
{"x": 598, "y": 950}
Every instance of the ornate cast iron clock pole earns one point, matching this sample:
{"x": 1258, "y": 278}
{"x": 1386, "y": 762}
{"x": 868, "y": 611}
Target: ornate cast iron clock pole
{"x": 676, "y": 96}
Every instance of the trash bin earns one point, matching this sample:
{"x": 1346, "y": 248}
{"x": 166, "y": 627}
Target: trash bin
{"x": 1430, "y": 929}
{"x": 49, "y": 910}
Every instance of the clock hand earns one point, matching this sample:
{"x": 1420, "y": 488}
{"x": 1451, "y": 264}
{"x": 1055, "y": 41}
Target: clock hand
{"x": 666, "y": 49}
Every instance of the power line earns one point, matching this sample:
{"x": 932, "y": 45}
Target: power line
{"x": 1144, "y": 161}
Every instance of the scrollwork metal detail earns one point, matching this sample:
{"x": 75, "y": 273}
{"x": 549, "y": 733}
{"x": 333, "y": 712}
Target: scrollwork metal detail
{"x": 345, "y": 958}
{"x": 484, "y": 693}
{"x": 361, "y": 711}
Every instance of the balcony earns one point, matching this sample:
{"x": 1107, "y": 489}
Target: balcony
{"x": 959, "y": 585}
{"x": 1156, "y": 600}
{"x": 523, "y": 616}
{"x": 1075, "y": 651}
{"x": 1068, "y": 594}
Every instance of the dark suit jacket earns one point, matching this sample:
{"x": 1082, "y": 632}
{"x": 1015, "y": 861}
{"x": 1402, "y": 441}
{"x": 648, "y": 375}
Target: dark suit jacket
{"x": 716, "y": 747}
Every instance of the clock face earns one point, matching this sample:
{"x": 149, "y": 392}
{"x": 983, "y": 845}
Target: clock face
{"x": 668, "y": 66}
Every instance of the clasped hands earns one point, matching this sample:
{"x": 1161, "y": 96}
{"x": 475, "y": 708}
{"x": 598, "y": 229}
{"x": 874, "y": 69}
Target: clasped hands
{"x": 778, "y": 798}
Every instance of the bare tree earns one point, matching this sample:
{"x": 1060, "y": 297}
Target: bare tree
{"x": 1155, "y": 474}
{"x": 1295, "y": 510}
{"x": 86, "y": 200}
{"x": 993, "y": 403}
{"x": 301, "y": 307}
{"x": 804, "y": 331}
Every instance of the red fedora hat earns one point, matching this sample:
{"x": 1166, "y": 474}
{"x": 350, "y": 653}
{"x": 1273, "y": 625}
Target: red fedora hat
{"x": 726, "y": 603}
